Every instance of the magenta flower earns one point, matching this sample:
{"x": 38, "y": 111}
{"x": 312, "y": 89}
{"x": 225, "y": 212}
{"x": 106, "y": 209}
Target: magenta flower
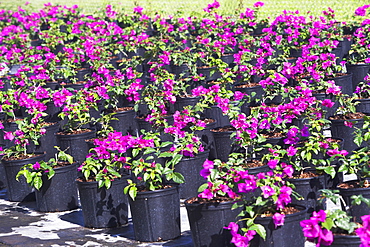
{"x": 291, "y": 151}
{"x": 325, "y": 238}
{"x": 207, "y": 193}
{"x": 258, "y": 4}
{"x": 311, "y": 229}
{"x": 348, "y": 124}
{"x": 267, "y": 191}
{"x": 9, "y": 136}
{"x": 319, "y": 216}
{"x": 305, "y": 132}
{"x": 138, "y": 10}
{"x": 278, "y": 219}
{"x": 237, "y": 239}
{"x": 284, "y": 197}
{"x": 364, "y": 231}
{"x": 272, "y": 163}
{"x": 287, "y": 169}
{"x": 335, "y": 151}
{"x": 207, "y": 165}
{"x": 327, "y": 103}
{"x": 361, "y": 11}
{"x": 36, "y": 166}
{"x": 248, "y": 185}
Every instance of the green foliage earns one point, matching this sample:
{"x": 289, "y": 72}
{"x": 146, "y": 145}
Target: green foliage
{"x": 34, "y": 172}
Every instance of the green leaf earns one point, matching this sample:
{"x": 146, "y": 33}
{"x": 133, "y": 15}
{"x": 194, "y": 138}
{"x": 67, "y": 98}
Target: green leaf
{"x": 165, "y": 154}
{"x": 259, "y": 229}
{"x": 135, "y": 152}
{"x": 108, "y": 183}
{"x": 328, "y": 224}
{"x": 176, "y": 159}
{"x": 330, "y": 171}
{"x": 37, "y": 182}
{"x": 132, "y": 192}
{"x": 178, "y": 178}
{"x": 203, "y": 187}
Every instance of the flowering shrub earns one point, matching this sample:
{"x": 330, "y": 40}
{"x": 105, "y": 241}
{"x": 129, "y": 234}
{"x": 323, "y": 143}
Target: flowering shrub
{"x": 324, "y": 225}
{"x": 60, "y": 64}
{"x": 34, "y": 172}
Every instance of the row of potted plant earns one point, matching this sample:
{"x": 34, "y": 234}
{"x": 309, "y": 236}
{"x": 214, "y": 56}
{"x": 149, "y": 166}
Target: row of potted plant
{"x": 148, "y": 95}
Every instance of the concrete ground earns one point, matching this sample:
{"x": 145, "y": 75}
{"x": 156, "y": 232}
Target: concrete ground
{"x": 22, "y": 226}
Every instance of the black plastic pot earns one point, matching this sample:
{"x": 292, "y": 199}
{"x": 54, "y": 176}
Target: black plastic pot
{"x": 75, "y": 144}
{"x": 126, "y": 122}
{"x": 144, "y": 125}
{"x": 60, "y": 192}
{"x": 359, "y": 72}
{"x": 328, "y": 111}
{"x": 295, "y": 53}
{"x": 290, "y": 234}
{"x": 214, "y": 112}
{"x": 207, "y": 139}
{"x": 363, "y": 106}
{"x": 18, "y": 191}
{"x": 259, "y": 169}
{"x": 181, "y": 102}
{"x": 190, "y": 168}
{"x": 181, "y": 71}
{"x": 210, "y": 73}
{"x": 258, "y": 94}
{"x": 8, "y": 127}
{"x": 345, "y": 82}
{"x": 47, "y": 142}
{"x": 223, "y": 143}
{"x": 207, "y": 222}
{"x": 346, "y": 46}
{"x": 103, "y": 207}
{"x": 229, "y": 58}
{"x": 308, "y": 188}
{"x": 339, "y": 129}
{"x": 356, "y": 211}
{"x": 156, "y": 215}
{"x": 2, "y": 174}
{"x": 52, "y": 112}
{"x": 82, "y": 74}
{"x": 345, "y": 241}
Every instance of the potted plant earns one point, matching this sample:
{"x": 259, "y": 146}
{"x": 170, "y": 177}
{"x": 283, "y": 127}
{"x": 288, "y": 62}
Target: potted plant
{"x": 76, "y": 121}
{"x": 17, "y": 155}
{"x": 358, "y": 57}
{"x": 103, "y": 180}
{"x": 212, "y": 209}
{"x": 352, "y": 191}
{"x": 334, "y": 227}
{"x": 47, "y": 177}
{"x": 154, "y": 200}
{"x": 264, "y": 205}
{"x": 362, "y": 96}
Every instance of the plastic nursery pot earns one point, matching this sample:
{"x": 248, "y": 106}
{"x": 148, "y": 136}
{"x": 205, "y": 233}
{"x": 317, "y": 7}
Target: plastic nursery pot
{"x": 156, "y": 214}
{"x": 207, "y": 222}
{"x": 223, "y": 142}
{"x": 346, "y": 241}
{"x": 18, "y": 191}
{"x": 51, "y": 198}
{"x": 290, "y": 234}
{"x": 356, "y": 211}
{"x": 75, "y": 143}
{"x": 190, "y": 168}
{"x": 341, "y": 130}
{"x": 308, "y": 188}
{"x": 125, "y": 122}
{"x": 102, "y": 207}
